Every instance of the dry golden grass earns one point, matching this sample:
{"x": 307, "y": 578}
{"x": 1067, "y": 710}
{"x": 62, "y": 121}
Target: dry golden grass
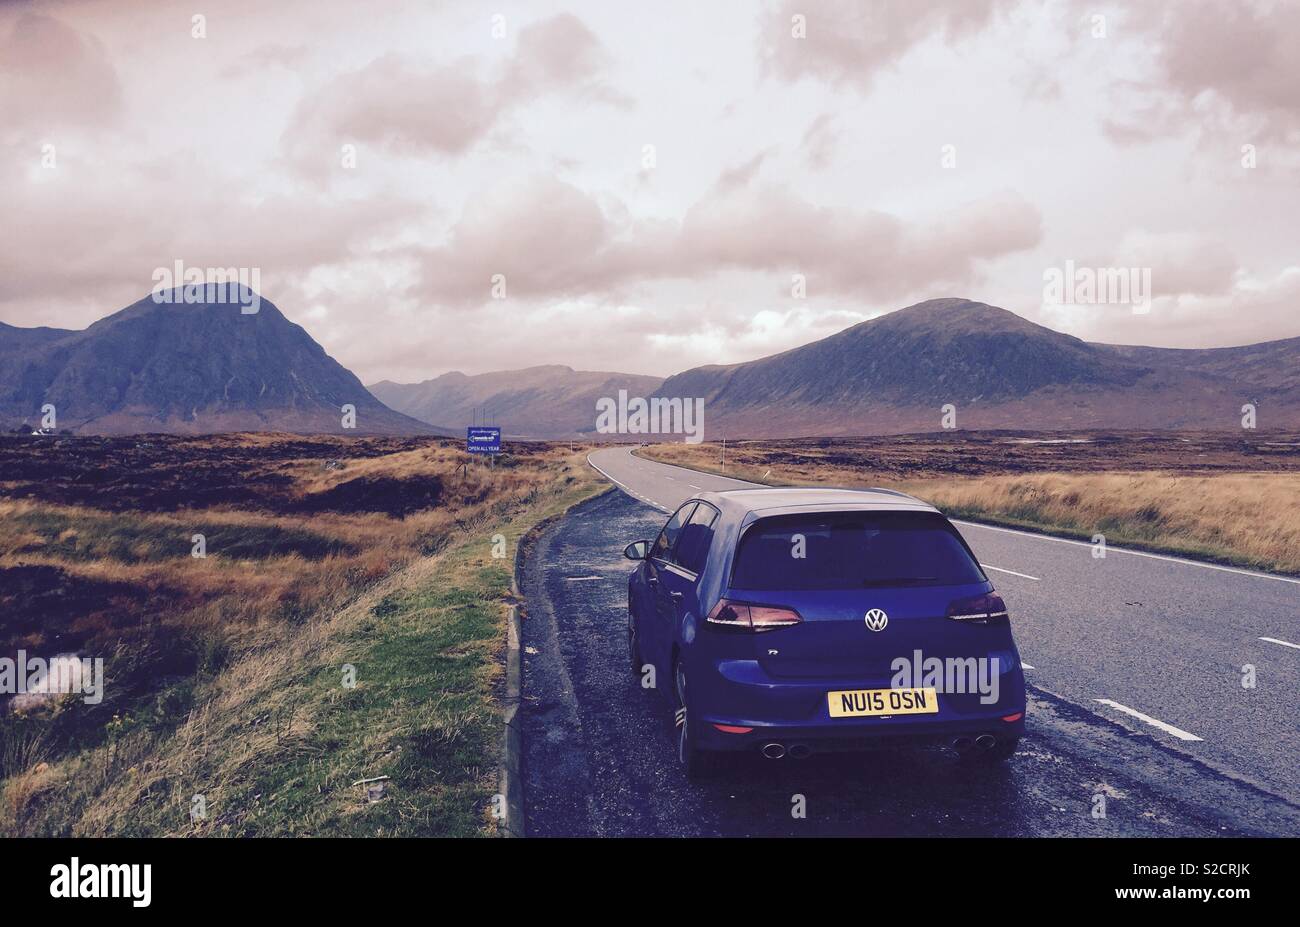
{"x": 152, "y": 552}
{"x": 1246, "y": 518}
{"x": 23, "y": 789}
{"x": 261, "y": 726}
{"x": 438, "y": 460}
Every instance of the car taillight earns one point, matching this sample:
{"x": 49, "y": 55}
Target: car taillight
{"x": 746, "y": 616}
{"x": 979, "y": 609}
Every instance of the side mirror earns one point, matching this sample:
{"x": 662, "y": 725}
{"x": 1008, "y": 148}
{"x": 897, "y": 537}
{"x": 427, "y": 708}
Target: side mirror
{"x": 636, "y": 550}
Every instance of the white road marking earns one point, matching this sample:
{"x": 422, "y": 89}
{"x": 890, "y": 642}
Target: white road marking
{"x": 1274, "y": 640}
{"x": 1154, "y": 722}
{"x": 692, "y": 485}
{"x": 581, "y": 579}
{"x": 623, "y": 486}
{"x": 1134, "y": 553}
{"x": 1012, "y": 572}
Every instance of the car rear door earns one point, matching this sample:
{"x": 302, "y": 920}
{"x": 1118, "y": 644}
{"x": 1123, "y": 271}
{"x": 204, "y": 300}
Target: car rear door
{"x": 660, "y": 579}
{"x": 681, "y": 580}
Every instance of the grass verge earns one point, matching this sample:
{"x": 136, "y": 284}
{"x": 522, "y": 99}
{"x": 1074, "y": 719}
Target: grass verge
{"x": 269, "y": 736}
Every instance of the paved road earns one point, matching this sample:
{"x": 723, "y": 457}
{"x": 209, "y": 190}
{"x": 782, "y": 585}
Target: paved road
{"x": 1161, "y": 637}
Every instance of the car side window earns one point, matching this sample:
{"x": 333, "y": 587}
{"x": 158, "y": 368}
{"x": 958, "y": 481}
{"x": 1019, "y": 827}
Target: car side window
{"x": 663, "y": 547}
{"x": 693, "y": 545}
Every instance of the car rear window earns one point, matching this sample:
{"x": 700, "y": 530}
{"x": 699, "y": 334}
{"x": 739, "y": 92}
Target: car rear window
{"x": 853, "y": 550}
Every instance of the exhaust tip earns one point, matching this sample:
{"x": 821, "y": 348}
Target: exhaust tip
{"x": 986, "y": 741}
{"x": 774, "y": 751}
{"x": 800, "y": 751}
{"x": 962, "y": 743}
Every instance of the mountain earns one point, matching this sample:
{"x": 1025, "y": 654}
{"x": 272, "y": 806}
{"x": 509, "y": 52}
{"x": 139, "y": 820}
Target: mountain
{"x": 209, "y": 368}
{"x": 548, "y": 401}
{"x": 185, "y": 368}
{"x": 940, "y": 351}
{"x": 893, "y": 374}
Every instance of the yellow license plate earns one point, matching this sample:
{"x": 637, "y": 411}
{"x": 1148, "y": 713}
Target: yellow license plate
{"x": 860, "y": 703}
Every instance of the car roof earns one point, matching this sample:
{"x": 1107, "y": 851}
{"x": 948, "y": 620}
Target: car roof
{"x": 764, "y": 501}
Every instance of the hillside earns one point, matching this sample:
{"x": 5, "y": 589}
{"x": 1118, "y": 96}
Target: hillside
{"x": 188, "y": 369}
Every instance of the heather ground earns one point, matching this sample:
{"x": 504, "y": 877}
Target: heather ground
{"x": 228, "y": 676}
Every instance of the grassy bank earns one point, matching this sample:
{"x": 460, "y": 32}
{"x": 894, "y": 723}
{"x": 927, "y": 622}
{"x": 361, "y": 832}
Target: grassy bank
{"x": 1249, "y": 519}
{"x": 306, "y": 653}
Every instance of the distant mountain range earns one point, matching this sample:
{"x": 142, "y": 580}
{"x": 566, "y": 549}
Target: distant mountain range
{"x": 208, "y": 368}
{"x": 188, "y": 369}
{"x": 550, "y": 401}
{"x": 893, "y": 374}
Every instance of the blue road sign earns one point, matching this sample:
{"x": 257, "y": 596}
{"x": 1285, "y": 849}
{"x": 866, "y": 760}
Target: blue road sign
{"x": 483, "y": 439}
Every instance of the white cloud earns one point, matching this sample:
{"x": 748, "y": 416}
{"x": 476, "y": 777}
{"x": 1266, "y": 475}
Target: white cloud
{"x": 523, "y": 156}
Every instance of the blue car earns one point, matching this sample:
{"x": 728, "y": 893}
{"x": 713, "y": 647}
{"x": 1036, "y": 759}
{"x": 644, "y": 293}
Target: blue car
{"x": 793, "y": 621}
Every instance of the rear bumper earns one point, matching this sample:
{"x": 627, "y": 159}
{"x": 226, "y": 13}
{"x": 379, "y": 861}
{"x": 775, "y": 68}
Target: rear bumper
{"x": 849, "y": 737}
{"x": 739, "y": 694}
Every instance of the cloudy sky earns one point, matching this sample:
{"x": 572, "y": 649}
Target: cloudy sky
{"x": 649, "y": 179}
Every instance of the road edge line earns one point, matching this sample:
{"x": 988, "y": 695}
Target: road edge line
{"x": 623, "y": 486}
{"x": 1131, "y": 551}
{"x": 1151, "y": 720}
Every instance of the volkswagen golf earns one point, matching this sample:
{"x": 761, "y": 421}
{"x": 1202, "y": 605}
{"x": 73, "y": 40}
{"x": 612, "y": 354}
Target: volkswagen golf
{"x": 794, "y": 621}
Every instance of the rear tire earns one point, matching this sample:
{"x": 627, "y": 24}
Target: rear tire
{"x": 696, "y": 763}
{"x": 634, "y": 647}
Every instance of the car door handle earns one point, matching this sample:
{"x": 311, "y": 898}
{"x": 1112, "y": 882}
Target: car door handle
{"x": 675, "y": 596}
